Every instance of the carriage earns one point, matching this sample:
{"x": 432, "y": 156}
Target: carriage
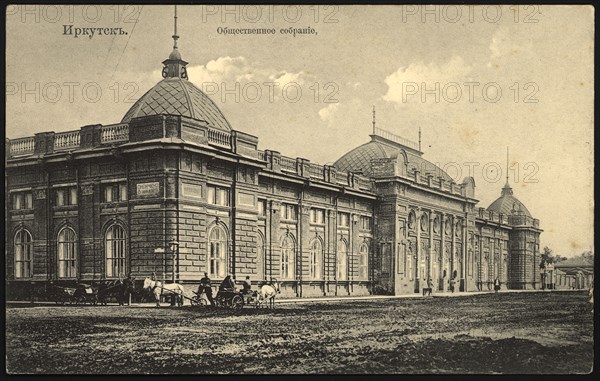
{"x": 61, "y": 295}
{"x": 85, "y": 294}
{"x": 80, "y": 294}
{"x": 235, "y": 300}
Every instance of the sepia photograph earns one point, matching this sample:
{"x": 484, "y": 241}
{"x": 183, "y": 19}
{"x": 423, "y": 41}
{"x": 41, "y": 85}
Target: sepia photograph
{"x": 199, "y": 189}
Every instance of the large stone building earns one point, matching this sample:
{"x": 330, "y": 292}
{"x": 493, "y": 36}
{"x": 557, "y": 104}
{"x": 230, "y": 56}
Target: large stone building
{"x": 174, "y": 190}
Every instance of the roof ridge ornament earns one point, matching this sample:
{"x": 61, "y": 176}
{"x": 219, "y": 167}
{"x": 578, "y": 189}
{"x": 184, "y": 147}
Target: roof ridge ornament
{"x": 175, "y": 36}
{"x": 175, "y": 67}
{"x": 507, "y": 190}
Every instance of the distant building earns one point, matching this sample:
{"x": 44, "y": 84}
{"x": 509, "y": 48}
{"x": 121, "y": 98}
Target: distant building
{"x": 174, "y": 190}
{"x": 575, "y": 273}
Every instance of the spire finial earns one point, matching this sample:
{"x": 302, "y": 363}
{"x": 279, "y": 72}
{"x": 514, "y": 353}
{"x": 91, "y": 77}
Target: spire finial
{"x": 420, "y": 139}
{"x": 373, "y": 119}
{"x": 507, "y": 165}
{"x": 174, "y": 65}
{"x": 507, "y": 190}
{"x": 175, "y": 36}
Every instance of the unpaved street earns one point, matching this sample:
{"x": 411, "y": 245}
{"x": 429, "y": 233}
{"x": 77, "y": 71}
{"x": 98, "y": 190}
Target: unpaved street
{"x": 504, "y": 333}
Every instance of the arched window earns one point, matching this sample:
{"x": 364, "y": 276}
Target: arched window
{"x": 342, "y": 260}
{"x": 67, "y": 253}
{"x": 217, "y": 265}
{"x": 363, "y": 262}
{"x": 287, "y": 258}
{"x": 260, "y": 257}
{"x": 115, "y": 244}
{"x": 23, "y": 254}
{"x": 315, "y": 267}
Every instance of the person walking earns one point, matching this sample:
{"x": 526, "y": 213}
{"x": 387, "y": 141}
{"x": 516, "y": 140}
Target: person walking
{"x": 496, "y": 285}
{"x": 452, "y": 284}
{"x": 429, "y": 287}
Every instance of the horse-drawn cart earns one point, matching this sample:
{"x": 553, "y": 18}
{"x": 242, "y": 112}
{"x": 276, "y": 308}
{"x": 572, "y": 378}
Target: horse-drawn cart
{"x": 225, "y": 299}
{"x": 85, "y": 294}
{"x": 80, "y": 294}
{"x": 61, "y": 295}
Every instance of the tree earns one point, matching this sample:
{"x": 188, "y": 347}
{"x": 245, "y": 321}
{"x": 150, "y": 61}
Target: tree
{"x": 548, "y": 257}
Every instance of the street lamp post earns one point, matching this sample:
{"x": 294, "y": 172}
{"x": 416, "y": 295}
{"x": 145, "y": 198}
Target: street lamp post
{"x": 173, "y": 245}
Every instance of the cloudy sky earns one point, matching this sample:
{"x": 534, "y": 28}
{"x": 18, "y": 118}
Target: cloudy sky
{"x": 475, "y": 80}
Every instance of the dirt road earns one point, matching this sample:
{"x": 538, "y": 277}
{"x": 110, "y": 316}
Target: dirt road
{"x": 504, "y": 333}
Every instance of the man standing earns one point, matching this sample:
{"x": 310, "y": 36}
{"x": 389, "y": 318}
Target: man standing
{"x": 247, "y": 286}
{"x": 206, "y": 288}
{"x": 127, "y": 288}
{"x": 496, "y": 285}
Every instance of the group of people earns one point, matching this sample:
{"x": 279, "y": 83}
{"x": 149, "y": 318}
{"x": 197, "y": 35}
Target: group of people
{"x": 452, "y": 285}
{"x": 227, "y": 285}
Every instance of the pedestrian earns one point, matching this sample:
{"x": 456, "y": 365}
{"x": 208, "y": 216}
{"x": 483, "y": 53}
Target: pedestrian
{"x": 206, "y": 288}
{"x": 127, "y": 288}
{"x": 496, "y": 285}
{"x": 452, "y": 283}
{"x": 429, "y": 288}
{"x": 247, "y": 286}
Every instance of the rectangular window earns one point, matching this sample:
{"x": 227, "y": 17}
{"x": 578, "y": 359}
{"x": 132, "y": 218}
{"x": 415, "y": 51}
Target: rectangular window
{"x": 123, "y": 192}
{"x": 60, "y": 197}
{"x": 23, "y": 200}
{"x": 366, "y": 223}
{"x": 115, "y": 192}
{"x": 317, "y": 216}
{"x": 217, "y": 195}
{"x": 66, "y": 196}
{"x": 343, "y": 219}
{"x": 108, "y": 193}
{"x": 262, "y": 208}
{"x": 288, "y": 212}
{"x": 401, "y": 258}
{"x": 385, "y": 258}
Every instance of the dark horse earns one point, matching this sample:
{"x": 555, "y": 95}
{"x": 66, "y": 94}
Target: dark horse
{"x": 120, "y": 289}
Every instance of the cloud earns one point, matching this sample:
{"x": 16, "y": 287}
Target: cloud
{"x": 503, "y": 45}
{"x": 328, "y": 113}
{"x": 239, "y": 69}
{"x": 455, "y": 70}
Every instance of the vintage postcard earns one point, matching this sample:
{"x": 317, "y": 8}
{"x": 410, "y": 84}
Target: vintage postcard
{"x": 274, "y": 189}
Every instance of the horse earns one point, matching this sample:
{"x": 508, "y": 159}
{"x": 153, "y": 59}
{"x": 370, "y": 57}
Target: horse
{"x": 157, "y": 288}
{"x": 267, "y": 293}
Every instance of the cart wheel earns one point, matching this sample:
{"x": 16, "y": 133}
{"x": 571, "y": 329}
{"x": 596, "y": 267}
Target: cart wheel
{"x": 237, "y": 302}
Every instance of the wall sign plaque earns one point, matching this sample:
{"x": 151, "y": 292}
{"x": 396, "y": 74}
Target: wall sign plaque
{"x": 148, "y": 189}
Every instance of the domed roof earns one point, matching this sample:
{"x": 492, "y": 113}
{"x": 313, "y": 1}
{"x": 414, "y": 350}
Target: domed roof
{"x": 359, "y": 159}
{"x": 178, "y": 96}
{"x": 508, "y": 204}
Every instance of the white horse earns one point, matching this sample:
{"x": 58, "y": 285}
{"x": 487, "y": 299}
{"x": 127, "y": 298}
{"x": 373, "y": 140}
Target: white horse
{"x": 157, "y": 289}
{"x": 267, "y": 293}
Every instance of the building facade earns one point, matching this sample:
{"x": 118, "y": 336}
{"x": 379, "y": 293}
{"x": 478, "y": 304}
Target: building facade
{"x": 174, "y": 191}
